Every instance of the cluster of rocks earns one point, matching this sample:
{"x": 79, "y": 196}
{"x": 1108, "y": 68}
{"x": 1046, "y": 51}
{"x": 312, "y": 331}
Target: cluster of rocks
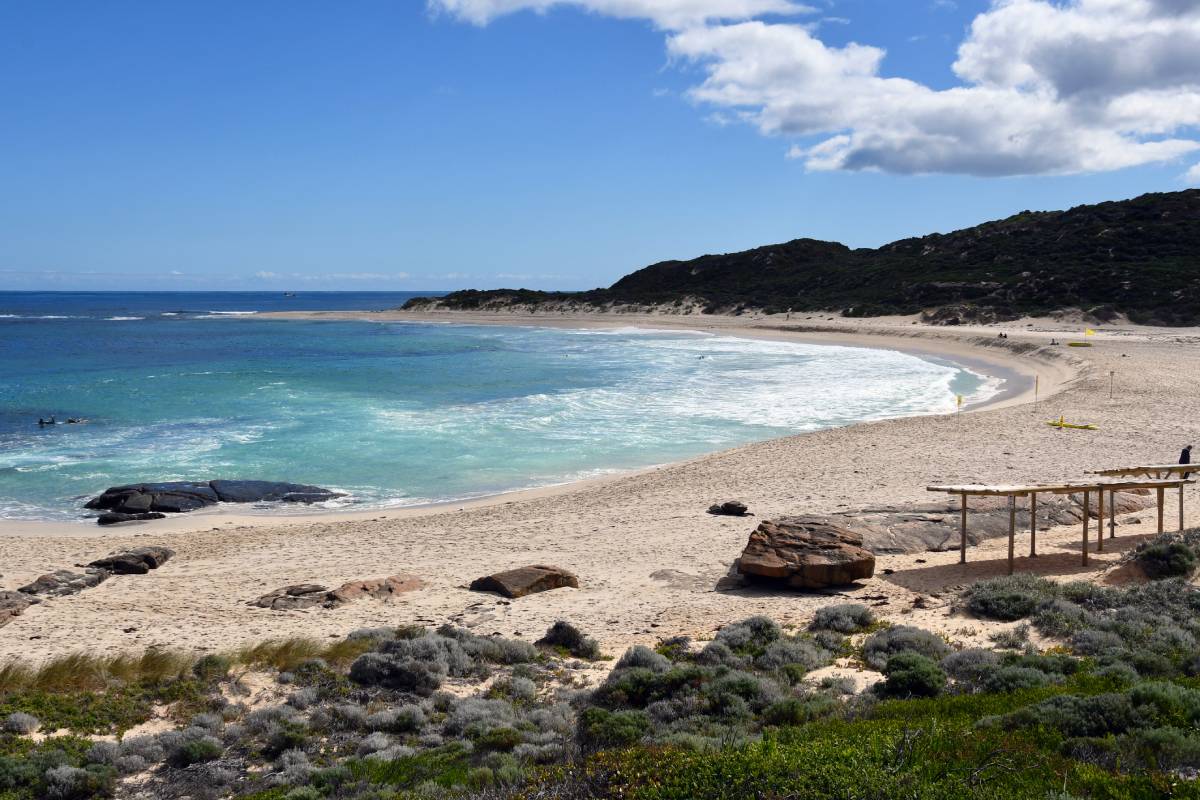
{"x": 141, "y": 501}
{"x": 62, "y": 582}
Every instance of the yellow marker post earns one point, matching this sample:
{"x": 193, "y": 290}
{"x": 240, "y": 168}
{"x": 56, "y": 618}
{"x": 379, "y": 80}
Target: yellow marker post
{"x": 959, "y": 398}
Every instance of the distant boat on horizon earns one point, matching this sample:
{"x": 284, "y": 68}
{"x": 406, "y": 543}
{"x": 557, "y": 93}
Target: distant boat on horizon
{"x": 289, "y": 294}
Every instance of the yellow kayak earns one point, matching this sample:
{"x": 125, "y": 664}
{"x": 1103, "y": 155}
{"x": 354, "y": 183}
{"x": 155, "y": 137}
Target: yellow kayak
{"x": 1079, "y": 344}
{"x": 1061, "y": 423}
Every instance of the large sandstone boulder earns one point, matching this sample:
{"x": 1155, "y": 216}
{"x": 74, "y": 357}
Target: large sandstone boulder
{"x": 137, "y": 561}
{"x": 525, "y": 580}
{"x": 64, "y": 582}
{"x": 13, "y": 604}
{"x": 806, "y": 553}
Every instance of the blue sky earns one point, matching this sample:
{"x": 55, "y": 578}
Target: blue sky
{"x": 483, "y": 143}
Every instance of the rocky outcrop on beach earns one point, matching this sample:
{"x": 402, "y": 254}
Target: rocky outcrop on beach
{"x": 522, "y": 581}
{"x": 13, "y": 604}
{"x": 805, "y": 553}
{"x": 137, "y": 561}
{"x": 936, "y": 526}
{"x": 308, "y": 595}
{"x": 140, "y": 501}
{"x": 63, "y": 582}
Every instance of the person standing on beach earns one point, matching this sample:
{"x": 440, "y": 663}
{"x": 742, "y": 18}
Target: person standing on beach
{"x": 1185, "y": 457}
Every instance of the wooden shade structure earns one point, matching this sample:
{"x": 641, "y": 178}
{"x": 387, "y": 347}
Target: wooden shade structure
{"x": 1159, "y": 471}
{"x": 1086, "y": 488}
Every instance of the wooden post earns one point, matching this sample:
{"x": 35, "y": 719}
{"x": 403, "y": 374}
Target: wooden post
{"x": 962, "y": 547}
{"x": 1100, "y": 522}
{"x": 1112, "y": 514}
{"x": 1181, "y": 506}
{"x": 1087, "y": 500}
{"x": 1160, "y": 508}
{"x": 1012, "y": 530}
{"x": 1033, "y": 525}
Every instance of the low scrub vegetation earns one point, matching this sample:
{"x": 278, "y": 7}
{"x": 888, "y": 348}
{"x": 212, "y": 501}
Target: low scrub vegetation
{"x": 1112, "y": 712}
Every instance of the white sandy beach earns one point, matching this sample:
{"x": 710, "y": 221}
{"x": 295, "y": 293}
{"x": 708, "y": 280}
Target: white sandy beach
{"x": 647, "y": 555}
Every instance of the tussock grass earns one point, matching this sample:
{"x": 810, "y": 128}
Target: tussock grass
{"x": 83, "y": 672}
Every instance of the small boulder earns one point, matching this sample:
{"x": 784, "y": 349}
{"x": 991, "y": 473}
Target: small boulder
{"x": 137, "y": 561}
{"x": 525, "y": 580}
{"x": 13, "y": 604}
{"x": 806, "y": 553}
{"x": 117, "y": 517}
{"x": 730, "y": 508}
{"x": 290, "y": 598}
{"x": 64, "y": 582}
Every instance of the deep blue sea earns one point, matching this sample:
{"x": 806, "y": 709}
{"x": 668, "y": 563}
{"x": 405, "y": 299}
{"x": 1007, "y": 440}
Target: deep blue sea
{"x": 190, "y": 385}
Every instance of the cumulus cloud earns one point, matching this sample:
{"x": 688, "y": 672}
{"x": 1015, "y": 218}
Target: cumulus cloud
{"x": 1089, "y": 86}
{"x": 1193, "y": 175}
{"x": 1046, "y": 86}
{"x": 667, "y": 14}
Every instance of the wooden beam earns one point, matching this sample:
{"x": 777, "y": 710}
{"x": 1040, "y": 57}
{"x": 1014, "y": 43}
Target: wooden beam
{"x": 1087, "y": 499}
{"x": 1033, "y": 525}
{"x": 1100, "y": 522}
{"x": 1112, "y": 515}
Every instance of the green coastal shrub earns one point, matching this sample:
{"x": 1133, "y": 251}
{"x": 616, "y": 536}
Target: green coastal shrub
{"x": 843, "y": 618}
{"x": 1168, "y": 558}
{"x": 1008, "y": 598}
{"x": 881, "y": 646}
{"x": 910, "y": 674}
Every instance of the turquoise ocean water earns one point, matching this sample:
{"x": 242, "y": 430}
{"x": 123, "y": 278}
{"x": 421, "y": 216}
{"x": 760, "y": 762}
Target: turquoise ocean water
{"x": 190, "y": 386}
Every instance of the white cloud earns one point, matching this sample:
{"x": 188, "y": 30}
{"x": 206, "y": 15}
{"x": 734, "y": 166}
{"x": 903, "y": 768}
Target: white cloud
{"x": 266, "y": 275}
{"x": 1091, "y": 85}
{"x": 1192, "y": 176}
{"x": 667, "y": 14}
{"x": 1047, "y": 87}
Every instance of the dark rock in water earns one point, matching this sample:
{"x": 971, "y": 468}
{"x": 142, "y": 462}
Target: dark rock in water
{"x": 525, "y": 580}
{"x": 116, "y": 517}
{"x": 13, "y": 604}
{"x": 806, "y": 553}
{"x": 64, "y": 582}
{"x": 730, "y": 508}
{"x": 137, "y": 561}
{"x": 138, "y": 500}
{"x": 268, "y": 491}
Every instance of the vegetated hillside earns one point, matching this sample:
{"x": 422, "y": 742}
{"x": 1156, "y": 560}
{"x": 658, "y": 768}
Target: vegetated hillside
{"x": 1140, "y": 257}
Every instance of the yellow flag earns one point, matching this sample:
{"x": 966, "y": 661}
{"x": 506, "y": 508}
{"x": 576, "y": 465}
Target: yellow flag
{"x": 1089, "y": 332}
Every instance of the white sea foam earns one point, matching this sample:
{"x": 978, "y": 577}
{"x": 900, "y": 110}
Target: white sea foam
{"x": 123, "y": 319}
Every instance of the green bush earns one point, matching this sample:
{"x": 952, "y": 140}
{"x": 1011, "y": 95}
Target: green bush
{"x": 911, "y": 674}
{"x": 886, "y": 643}
{"x": 1166, "y": 559}
{"x": 599, "y": 727}
{"x": 1008, "y": 598}
{"x": 197, "y": 751}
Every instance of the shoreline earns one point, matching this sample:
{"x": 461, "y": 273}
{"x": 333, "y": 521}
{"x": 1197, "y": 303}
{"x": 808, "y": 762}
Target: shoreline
{"x": 1014, "y": 372}
{"x": 650, "y": 561}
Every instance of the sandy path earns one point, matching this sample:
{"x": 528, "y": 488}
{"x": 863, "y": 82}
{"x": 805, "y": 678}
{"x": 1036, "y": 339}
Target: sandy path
{"x": 646, "y": 553}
